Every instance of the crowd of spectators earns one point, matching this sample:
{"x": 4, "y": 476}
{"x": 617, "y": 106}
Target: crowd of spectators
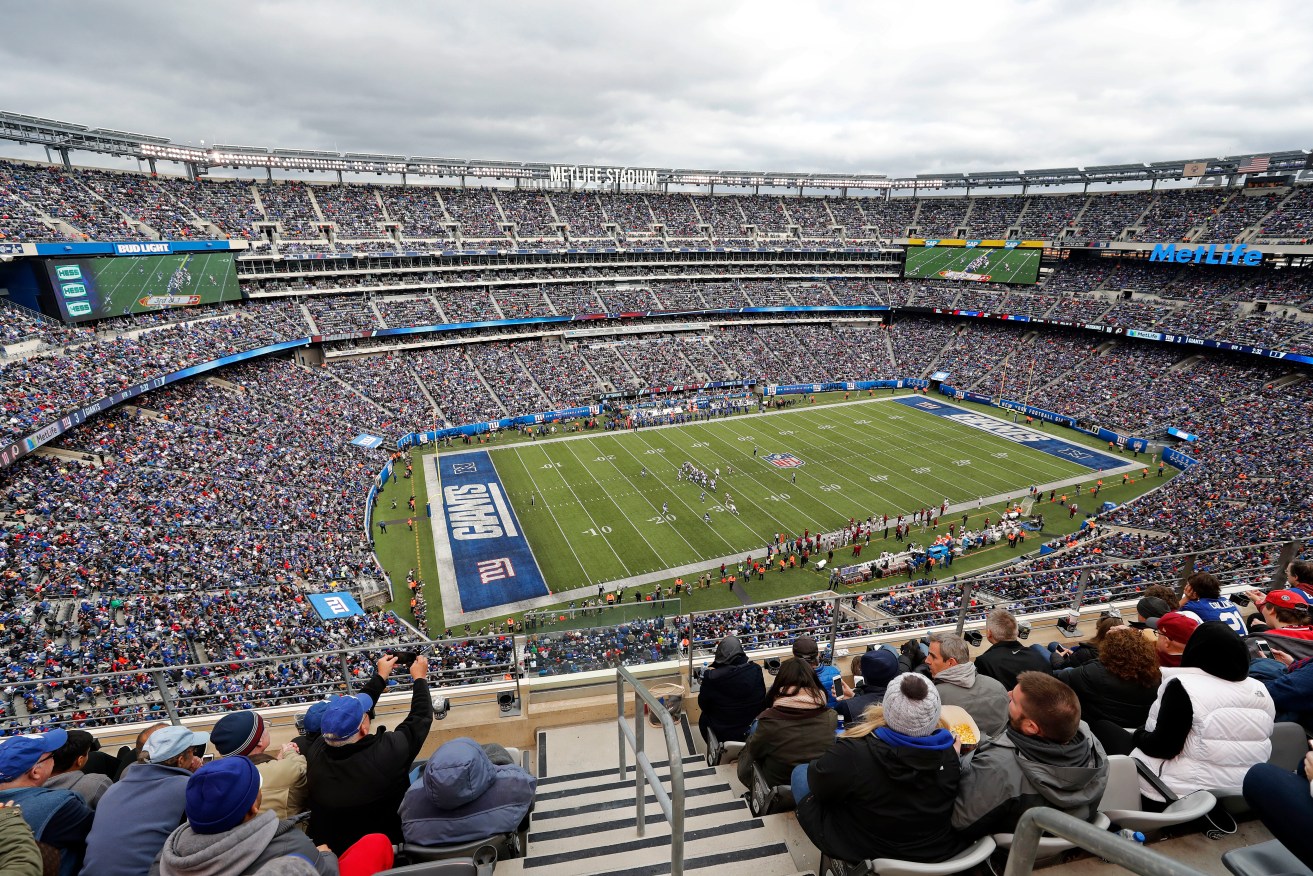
{"x": 99, "y": 204}
{"x": 289, "y": 203}
{"x": 354, "y": 209}
{"x": 1106, "y": 217}
{"x": 532, "y": 214}
{"x": 942, "y": 216}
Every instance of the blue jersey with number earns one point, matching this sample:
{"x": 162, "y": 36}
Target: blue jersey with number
{"x": 1223, "y": 610}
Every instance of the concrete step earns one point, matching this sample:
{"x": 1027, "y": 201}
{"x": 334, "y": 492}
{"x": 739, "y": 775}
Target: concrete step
{"x": 584, "y": 820}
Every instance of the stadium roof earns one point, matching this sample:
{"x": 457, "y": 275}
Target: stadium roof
{"x": 66, "y": 136}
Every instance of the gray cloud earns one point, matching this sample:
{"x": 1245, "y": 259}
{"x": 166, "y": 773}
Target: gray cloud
{"x": 843, "y": 86}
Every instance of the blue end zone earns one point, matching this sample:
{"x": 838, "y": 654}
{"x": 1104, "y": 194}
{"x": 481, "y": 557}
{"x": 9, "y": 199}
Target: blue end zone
{"x": 1091, "y": 459}
{"x": 494, "y": 564}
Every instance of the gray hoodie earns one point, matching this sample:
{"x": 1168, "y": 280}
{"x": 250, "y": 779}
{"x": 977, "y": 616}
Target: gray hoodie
{"x": 240, "y": 851}
{"x": 1014, "y": 772}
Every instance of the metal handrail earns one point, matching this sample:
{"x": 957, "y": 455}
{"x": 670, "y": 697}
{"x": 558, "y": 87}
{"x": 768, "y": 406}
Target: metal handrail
{"x": 672, "y": 804}
{"x": 1108, "y": 846}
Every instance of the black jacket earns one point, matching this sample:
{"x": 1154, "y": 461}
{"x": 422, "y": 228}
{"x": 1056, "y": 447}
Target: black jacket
{"x": 357, "y": 789}
{"x": 1104, "y": 696}
{"x": 730, "y": 698}
{"x": 870, "y": 799}
{"x": 1006, "y": 660}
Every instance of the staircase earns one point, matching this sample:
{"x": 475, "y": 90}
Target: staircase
{"x": 583, "y": 822}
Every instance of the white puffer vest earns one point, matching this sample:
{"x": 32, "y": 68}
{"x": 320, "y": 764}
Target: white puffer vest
{"x": 1231, "y": 732}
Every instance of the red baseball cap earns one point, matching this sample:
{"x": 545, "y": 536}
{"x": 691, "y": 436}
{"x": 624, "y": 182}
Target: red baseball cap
{"x": 1287, "y": 599}
{"x": 1177, "y": 626}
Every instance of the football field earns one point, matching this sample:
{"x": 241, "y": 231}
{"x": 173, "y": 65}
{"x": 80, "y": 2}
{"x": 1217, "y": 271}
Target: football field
{"x": 1002, "y": 266}
{"x": 612, "y": 505}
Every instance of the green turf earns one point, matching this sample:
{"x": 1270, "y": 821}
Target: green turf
{"x": 1005, "y": 265}
{"x": 596, "y": 518}
{"x": 852, "y": 469}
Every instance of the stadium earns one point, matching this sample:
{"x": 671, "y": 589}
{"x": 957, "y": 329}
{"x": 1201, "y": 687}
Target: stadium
{"x": 552, "y": 422}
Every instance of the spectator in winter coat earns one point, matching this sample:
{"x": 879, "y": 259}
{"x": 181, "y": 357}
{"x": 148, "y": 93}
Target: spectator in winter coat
{"x": 467, "y": 792}
{"x": 795, "y": 728}
{"x": 886, "y": 788}
{"x": 733, "y": 693}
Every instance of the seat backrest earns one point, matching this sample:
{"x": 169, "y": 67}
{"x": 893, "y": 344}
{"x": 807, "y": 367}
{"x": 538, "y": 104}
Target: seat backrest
{"x": 498, "y": 845}
{"x": 1123, "y": 791}
{"x": 1289, "y": 745}
{"x": 453, "y": 867}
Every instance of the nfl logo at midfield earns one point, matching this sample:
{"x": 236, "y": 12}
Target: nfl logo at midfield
{"x": 783, "y": 460}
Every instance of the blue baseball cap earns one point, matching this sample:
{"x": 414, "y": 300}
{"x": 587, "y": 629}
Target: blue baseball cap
{"x": 343, "y": 716}
{"x": 220, "y": 793}
{"x": 18, "y": 754}
{"x": 314, "y": 717}
{"x": 169, "y": 742}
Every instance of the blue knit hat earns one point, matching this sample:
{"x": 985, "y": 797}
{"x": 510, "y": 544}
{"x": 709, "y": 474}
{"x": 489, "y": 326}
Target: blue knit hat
{"x": 220, "y": 793}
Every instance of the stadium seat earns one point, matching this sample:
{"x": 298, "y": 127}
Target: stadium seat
{"x": 454, "y": 867}
{"x": 1264, "y": 859}
{"x": 721, "y": 752}
{"x": 1289, "y": 745}
{"x": 502, "y": 847}
{"x": 1050, "y": 845}
{"x": 1123, "y": 805}
{"x": 965, "y": 860}
{"x": 766, "y": 799}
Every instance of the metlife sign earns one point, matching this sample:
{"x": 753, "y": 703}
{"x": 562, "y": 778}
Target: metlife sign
{"x": 1207, "y": 254}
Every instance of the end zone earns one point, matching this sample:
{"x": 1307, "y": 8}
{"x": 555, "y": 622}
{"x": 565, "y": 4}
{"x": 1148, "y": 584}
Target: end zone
{"x": 1091, "y": 459}
{"x": 484, "y": 560}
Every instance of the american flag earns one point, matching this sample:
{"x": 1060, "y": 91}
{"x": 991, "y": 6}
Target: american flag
{"x": 1257, "y": 164}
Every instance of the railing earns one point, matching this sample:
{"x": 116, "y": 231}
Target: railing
{"x": 585, "y": 656}
{"x": 1108, "y": 846}
{"x": 672, "y": 803}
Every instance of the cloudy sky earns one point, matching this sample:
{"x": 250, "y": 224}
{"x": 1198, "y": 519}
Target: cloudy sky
{"x": 896, "y": 88}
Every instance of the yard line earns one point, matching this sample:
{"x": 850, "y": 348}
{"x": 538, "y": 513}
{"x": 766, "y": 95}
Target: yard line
{"x": 583, "y": 506}
{"x": 587, "y": 469}
{"x": 751, "y": 471}
{"x": 1036, "y": 461}
{"x": 691, "y": 509}
{"x": 520, "y": 459}
{"x": 929, "y": 452}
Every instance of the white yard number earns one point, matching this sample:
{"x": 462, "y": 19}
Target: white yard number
{"x": 603, "y": 529}
{"x": 701, "y": 444}
{"x": 786, "y": 431}
{"x": 920, "y": 471}
{"x": 606, "y": 458}
{"x": 961, "y": 462}
{"x": 830, "y": 488}
{"x": 861, "y": 422}
{"x": 879, "y": 479}
{"x": 550, "y": 465}
{"x": 894, "y": 417}
{"x": 826, "y": 426}
{"x": 1002, "y": 455}
{"x": 652, "y": 450}
{"x": 746, "y": 438}
{"x": 779, "y": 497}
{"x": 662, "y": 518}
